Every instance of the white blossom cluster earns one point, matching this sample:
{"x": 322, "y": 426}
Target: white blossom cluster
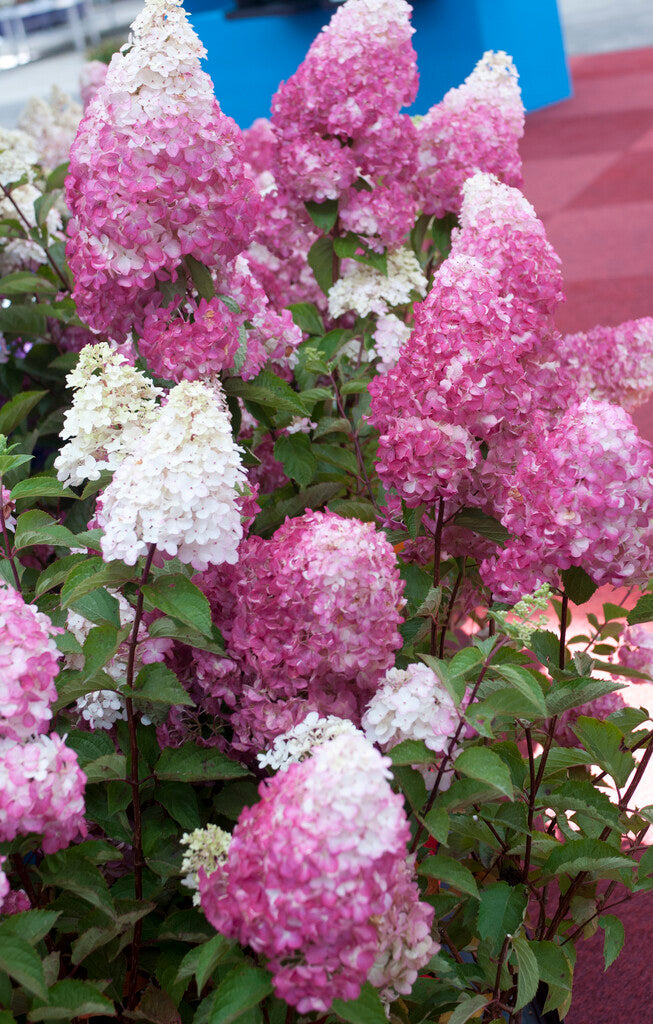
{"x": 18, "y": 156}
{"x": 205, "y": 848}
{"x": 366, "y": 290}
{"x": 158, "y": 67}
{"x": 524, "y": 618}
{"x": 390, "y": 336}
{"x": 52, "y": 123}
{"x": 179, "y": 487}
{"x": 297, "y": 743}
{"x": 112, "y": 405}
{"x": 411, "y": 704}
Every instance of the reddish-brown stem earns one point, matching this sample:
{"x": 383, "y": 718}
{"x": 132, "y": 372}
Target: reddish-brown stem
{"x": 139, "y": 861}
{"x": 23, "y": 218}
{"x": 437, "y": 553}
{"x": 563, "y": 629}
{"x": 531, "y": 803}
{"x": 452, "y": 600}
{"x": 357, "y": 448}
{"x": 7, "y": 543}
{"x": 453, "y": 742}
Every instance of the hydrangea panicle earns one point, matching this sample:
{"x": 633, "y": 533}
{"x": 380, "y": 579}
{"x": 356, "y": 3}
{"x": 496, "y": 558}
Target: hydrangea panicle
{"x": 28, "y": 667}
{"x": 324, "y": 851}
{"x": 180, "y": 486}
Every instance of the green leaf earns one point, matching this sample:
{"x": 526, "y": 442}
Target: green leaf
{"x": 30, "y": 926}
{"x": 36, "y": 527}
{"x": 526, "y": 683}
{"x": 482, "y": 524}
{"x": 306, "y": 316}
{"x": 314, "y": 496}
{"x": 437, "y": 824}
{"x": 553, "y": 966}
{"x": 106, "y": 768}
{"x": 72, "y": 998}
{"x": 485, "y": 766}
{"x": 580, "y": 795}
{"x": 42, "y": 206}
{"x": 451, "y": 871}
{"x": 157, "y": 684}
{"x": 412, "y": 785}
{"x": 57, "y": 573}
{"x": 100, "y": 646}
{"x": 177, "y": 596}
{"x": 295, "y": 453}
{"x": 545, "y": 645}
{"x": 19, "y": 961}
{"x": 578, "y": 585}
{"x": 41, "y": 487}
{"x": 367, "y": 1009}
{"x": 243, "y": 988}
{"x": 17, "y": 408}
{"x": 528, "y": 975}
{"x": 324, "y": 215}
{"x": 22, "y": 282}
{"x": 189, "y": 763}
{"x": 571, "y": 693}
{"x": 70, "y": 870}
{"x": 267, "y": 390}
{"x": 28, "y": 319}
{"x": 201, "y": 277}
{"x": 352, "y": 508}
{"x": 411, "y": 752}
{"x": 337, "y": 456}
{"x": 642, "y": 612}
{"x": 615, "y": 937}
{"x": 501, "y": 911}
{"x": 57, "y": 177}
{"x": 468, "y": 1008}
{"x": 100, "y": 607}
{"x": 167, "y": 627}
{"x": 180, "y": 801}
{"x": 202, "y": 961}
{"x": 92, "y": 574}
{"x": 603, "y": 741}
{"x": 585, "y": 855}
{"x": 320, "y": 260}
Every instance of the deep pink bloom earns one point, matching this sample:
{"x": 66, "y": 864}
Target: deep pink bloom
{"x": 28, "y": 666}
{"x": 318, "y": 881}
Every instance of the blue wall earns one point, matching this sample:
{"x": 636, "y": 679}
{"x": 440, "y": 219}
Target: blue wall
{"x": 248, "y": 57}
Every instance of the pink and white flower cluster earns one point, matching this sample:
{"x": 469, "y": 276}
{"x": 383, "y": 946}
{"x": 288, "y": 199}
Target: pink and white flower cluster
{"x": 334, "y": 129}
{"x": 41, "y": 785}
{"x": 156, "y": 175}
{"x": 324, "y": 852}
{"x": 310, "y": 619}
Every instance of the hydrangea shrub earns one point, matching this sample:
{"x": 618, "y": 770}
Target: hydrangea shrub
{"x": 300, "y": 490}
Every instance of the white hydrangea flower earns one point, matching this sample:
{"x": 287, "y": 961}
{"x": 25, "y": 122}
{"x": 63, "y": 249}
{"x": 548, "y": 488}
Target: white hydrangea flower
{"x": 52, "y": 124}
{"x": 101, "y": 708}
{"x": 18, "y": 156}
{"x": 411, "y": 704}
{"x": 366, "y": 290}
{"x": 113, "y": 404}
{"x": 206, "y": 848}
{"x": 300, "y": 424}
{"x": 157, "y": 67}
{"x": 180, "y": 486}
{"x": 390, "y": 336}
{"x": 297, "y": 743}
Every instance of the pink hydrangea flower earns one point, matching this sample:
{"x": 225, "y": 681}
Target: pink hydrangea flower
{"x": 91, "y": 78}
{"x": 581, "y": 495}
{"x": 28, "y": 666}
{"x": 156, "y": 174}
{"x": 178, "y": 349}
{"x": 42, "y": 791}
{"x": 324, "y": 851}
{"x": 477, "y": 126}
{"x": 424, "y": 460}
{"x": 310, "y": 617}
{"x": 614, "y": 363}
{"x": 636, "y": 649}
{"x": 333, "y": 128}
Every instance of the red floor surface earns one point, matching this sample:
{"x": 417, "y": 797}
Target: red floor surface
{"x": 588, "y": 170}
